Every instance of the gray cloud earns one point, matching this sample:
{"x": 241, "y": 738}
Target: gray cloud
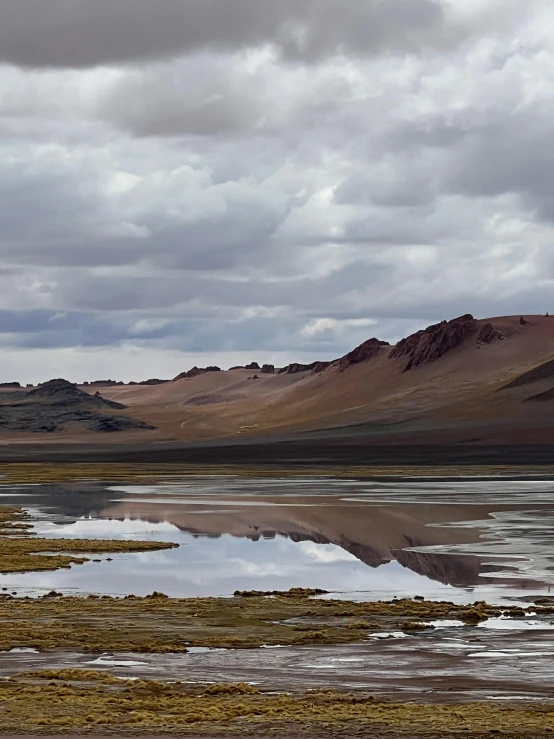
{"x": 84, "y": 33}
{"x": 177, "y": 192}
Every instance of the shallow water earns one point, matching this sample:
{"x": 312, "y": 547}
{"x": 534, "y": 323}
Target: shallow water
{"x": 458, "y": 540}
{"x": 445, "y": 665}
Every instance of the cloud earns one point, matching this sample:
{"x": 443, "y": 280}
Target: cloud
{"x": 86, "y": 33}
{"x": 219, "y": 182}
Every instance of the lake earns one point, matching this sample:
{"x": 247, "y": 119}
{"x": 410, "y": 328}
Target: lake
{"x": 460, "y": 539}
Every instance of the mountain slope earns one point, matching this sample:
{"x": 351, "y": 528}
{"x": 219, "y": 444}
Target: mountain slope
{"x": 445, "y": 376}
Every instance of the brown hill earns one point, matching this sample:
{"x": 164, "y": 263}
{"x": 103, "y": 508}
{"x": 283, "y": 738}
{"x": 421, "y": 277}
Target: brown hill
{"x": 454, "y": 370}
{"x": 58, "y": 406}
{"x": 544, "y": 371}
{"x": 440, "y": 384}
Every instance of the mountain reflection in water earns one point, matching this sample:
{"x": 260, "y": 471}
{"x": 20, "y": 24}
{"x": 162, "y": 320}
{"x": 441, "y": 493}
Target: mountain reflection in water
{"x": 456, "y": 535}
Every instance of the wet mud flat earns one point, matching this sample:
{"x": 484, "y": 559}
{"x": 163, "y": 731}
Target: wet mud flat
{"x": 211, "y": 665}
{"x": 453, "y": 665}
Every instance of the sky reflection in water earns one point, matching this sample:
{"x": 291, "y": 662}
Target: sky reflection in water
{"x": 366, "y": 539}
{"x": 205, "y": 566}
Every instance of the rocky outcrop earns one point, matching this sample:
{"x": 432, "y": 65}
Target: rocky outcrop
{"x": 252, "y": 366}
{"x": 103, "y": 383}
{"x": 488, "y": 335}
{"x": 295, "y": 368}
{"x": 153, "y": 381}
{"x": 10, "y": 385}
{"x": 62, "y": 392}
{"x": 194, "y": 372}
{"x": 434, "y": 342}
{"x": 320, "y": 367}
{"x": 542, "y": 397}
{"x": 268, "y": 369}
{"x": 59, "y": 405}
{"x": 314, "y": 368}
{"x": 362, "y": 353}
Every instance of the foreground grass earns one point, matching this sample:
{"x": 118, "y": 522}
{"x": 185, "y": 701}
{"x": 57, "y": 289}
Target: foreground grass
{"x": 71, "y": 700}
{"x": 21, "y": 552}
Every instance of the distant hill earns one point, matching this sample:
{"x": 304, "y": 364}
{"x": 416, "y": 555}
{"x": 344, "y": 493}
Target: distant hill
{"x": 444, "y": 377}
{"x": 58, "y": 406}
{"x": 466, "y": 380}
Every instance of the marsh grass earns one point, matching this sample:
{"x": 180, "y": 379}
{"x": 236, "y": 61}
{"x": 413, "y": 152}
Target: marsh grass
{"x": 84, "y": 700}
{"x": 158, "y": 624}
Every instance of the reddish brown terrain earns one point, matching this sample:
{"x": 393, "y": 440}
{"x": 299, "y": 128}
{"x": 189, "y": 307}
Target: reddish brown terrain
{"x": 465, "y": 381}
{"x": 447, "y": 377}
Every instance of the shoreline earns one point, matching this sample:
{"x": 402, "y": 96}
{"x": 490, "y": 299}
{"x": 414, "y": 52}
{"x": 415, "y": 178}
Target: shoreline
{"x": 290, "y": 453}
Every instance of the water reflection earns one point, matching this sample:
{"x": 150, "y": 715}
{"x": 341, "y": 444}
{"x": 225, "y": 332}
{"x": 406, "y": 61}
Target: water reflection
{"x": 456, "y": 539}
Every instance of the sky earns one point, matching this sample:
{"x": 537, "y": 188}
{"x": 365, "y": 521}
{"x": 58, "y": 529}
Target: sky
{"x": 194, "y": 182}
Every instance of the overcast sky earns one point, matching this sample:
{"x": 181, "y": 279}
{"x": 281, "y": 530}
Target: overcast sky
{"x": 213, "y": 181}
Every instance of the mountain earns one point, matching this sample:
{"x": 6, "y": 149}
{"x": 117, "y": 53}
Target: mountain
{"x": 464, "y": 379}
{"x": 469, "y": 381}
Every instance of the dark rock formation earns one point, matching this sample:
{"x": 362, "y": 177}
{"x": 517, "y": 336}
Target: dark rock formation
{"x": 320, "y": 367}
{"x": 542, "y": 372}
{"x": 252, "y": 366}
{"x": 62, "y": 392}
{"x": 295, "y": 368}
{"x": 434, "y": 342}
{"x": 102, "y": 383}
{"x": 195, "y": 371}
{"x": 488, "y": 335}
{"x": 523, "y": 322}
{"x": 10, "y": 385}
{"x": 365, "y": 351}
{"x": 59, "y": 405}
{"x": 268, "y": 369}
{"x": 153, "y": 382}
